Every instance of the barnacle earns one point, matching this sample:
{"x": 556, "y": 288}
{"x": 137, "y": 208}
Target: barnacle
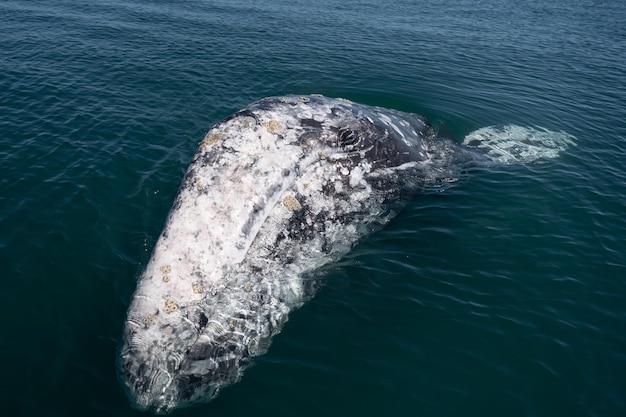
{"x": 170, "y": 306}
{"x": 273, "y": 126}
{"x": 291, "y": 203}
{"x": 149, "y": 320}
{"x": 211, "y": 139}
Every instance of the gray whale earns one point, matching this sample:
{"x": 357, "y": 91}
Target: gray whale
{"x": 274, "y": 192}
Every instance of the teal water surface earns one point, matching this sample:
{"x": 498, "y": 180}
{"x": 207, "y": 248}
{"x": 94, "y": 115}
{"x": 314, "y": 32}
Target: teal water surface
{"x": 504, "y": 295}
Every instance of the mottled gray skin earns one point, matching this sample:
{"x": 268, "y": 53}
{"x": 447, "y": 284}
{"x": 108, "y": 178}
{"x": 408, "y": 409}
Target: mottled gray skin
{"x": 275, "y": 191}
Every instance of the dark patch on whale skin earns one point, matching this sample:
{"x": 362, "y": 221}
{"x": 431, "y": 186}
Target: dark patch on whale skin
{"x": 208, "y": 158}
{"x": 311, "y": 123}
{"x": 240, "y": 113}
{"x": 304, "y": 226}
{"x": 202, "y": 321}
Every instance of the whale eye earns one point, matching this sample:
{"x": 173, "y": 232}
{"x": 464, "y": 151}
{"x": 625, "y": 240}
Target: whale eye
{"x": 348, "y": 137}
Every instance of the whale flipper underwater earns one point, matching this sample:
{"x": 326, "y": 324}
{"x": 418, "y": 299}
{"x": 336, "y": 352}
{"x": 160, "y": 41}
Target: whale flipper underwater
{"x": 274, "y": 192}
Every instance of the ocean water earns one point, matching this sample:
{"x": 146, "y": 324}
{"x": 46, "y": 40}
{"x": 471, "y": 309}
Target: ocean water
{"x": 504, "y": 295}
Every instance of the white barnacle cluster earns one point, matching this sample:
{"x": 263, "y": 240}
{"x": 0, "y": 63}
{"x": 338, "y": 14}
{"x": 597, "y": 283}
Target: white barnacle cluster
{"x": 291, "y": 203}
{"x": 170, "y": 306}
{"x": 166, "y": 269}
{"x": 149, "y": 320}
{"x": 273, "y": 126}
{"x": 357, "y": 174}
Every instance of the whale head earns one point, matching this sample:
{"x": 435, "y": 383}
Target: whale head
{"x": 274, "y": 192}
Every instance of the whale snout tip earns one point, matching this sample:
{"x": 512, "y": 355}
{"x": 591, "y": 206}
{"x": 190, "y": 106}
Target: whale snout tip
{"x": 155, "y": 405}
{"x": 164, "y": 400}
{"x": 152, "y": 388}
{"x": 146, "y": 384}
{"x": 151, "y": 401}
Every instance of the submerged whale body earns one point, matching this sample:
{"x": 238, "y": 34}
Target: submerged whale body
{"x": 274, "y": 192}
